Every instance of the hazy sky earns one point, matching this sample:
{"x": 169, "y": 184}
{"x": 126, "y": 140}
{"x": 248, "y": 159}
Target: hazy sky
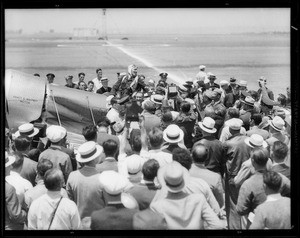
{"x": 184, "y": 20}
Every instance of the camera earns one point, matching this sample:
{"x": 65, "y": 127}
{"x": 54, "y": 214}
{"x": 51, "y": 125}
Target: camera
{"x": 132, "y": 112}
{"x": 172, "y": 91}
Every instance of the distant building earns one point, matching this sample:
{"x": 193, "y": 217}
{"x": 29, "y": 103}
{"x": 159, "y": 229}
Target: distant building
{"x": 85, "y": 32}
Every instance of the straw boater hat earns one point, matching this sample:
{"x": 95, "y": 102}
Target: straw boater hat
{"x": 9, "y": 160}
{"x": 156, "y": 98}
{"x": 88, "y": 152}
{"x": 256, "y": 140}
{"x": 208, "y": 125}
{"x": 55, "y": 133}
{"x": 112, "y": 182}
{"x": 277, "y": 123}
{"x": 173, "y": 134}
{"x": 27, "y": 129}
{"x": 249, "y": 101}
{"x": 174, "y": 177}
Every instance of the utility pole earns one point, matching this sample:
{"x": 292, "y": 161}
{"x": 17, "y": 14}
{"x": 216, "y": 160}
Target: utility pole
{"x": 104, "y": 24}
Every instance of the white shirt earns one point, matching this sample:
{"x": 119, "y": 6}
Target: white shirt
{"x": 97, "y": 84}
{"x": 113, "y": 115}
{"x": 19, "y": 183}
{"x": 161, "y": 157}
{"x": 66, "y": 216}
{"x": 202, "y": 76}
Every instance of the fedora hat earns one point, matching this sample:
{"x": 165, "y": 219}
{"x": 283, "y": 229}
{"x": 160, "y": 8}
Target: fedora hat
{"x": 277, "y": 123}
{"x": 174, "y": 177}
{"x": 211, "y": 75}
{"x": 256, "y": 140}
{"x": 156, "y": 98}
{"x": 55, "y": 133}
{"x": 173, "y": 134}
{"x": 88, "y": 151}
{"x": 9, "y": 160}
{"x": 249, "y": 101}
{"x": 208, "y": 125}
{"x": 112, "y": 182}
{"x": 27, "y": 129}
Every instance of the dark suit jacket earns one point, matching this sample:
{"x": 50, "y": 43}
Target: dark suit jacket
{"x": 28, "y": 170}
{"x": 143, "y": 194}
{"x": 113, "y": 217}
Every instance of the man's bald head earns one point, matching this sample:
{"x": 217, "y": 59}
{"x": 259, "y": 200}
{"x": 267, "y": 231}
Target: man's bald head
{"x": 199, "y": 153}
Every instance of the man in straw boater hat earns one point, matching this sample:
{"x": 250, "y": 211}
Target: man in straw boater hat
{"x": 211, "y": 84}
{"x": 57, "y": 135}
{"x": 247, "y": 111}
{"x": 246, "y": 170}
{"x": 276, "y": 130}
{"x": 182, "y": 210}
{"x": 173, "y": 136}
{"x": 237, "y": 152}
{"x": 215, "y": 158}
{"x": 83, "y": 186}
{"x": 15, "y": 216}
{"x": 115, "y": 215}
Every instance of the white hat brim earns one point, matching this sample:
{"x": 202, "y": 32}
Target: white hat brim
{"x": 151, "y": 99}
{"x": 214, "y": 130}
{"x": 271, "y": 124}
{"x": 167, "y": 139}
{"x": 247, "y": 141}
{"x": 97, "y": 154}
{"x": 11, "y": 160}
{"x": 35, "y": 132}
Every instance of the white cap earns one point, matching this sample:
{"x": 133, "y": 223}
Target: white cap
{"x": 55, "y": 133}
{"x": 112, "y": 182}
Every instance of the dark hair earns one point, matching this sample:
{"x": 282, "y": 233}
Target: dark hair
{"x": 89, "y": 132}
{"x": 36, "y": 74}
{"x": 233, "y": 112}
{"x": 113, "y": 101}
{"x": 185, "y": 107}
{"x": 155, "y": 136}
{"x": 282, "y": 99}
{"x": 150, "y": 169}
{"x": 91, "y": 82}
{"x": 280, "y": 150}
{"x": 199, "y": 153}
{"x": 81, "y": 74}
{"x": 257, "y": 118}
{"x": 135, "y": 140}
{"x": 53, "y": 179}
{"x": 273, "y": 180}
{"x": 260, "y": 156}
{"x": 98, "y": 69}
{"x": 167, "y": 117}
{"x": 110, "y": 147}
{"x": 254, "y": 94}
{"x": 43, "y": 166}
{"x": 183, "y": 157}
{"x": 22, "y": 143}
{"x": 104, "y": 123}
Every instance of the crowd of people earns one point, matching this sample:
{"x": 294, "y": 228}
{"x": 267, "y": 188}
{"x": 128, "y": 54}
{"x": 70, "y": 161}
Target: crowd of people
{"x": 198, "y": 155}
